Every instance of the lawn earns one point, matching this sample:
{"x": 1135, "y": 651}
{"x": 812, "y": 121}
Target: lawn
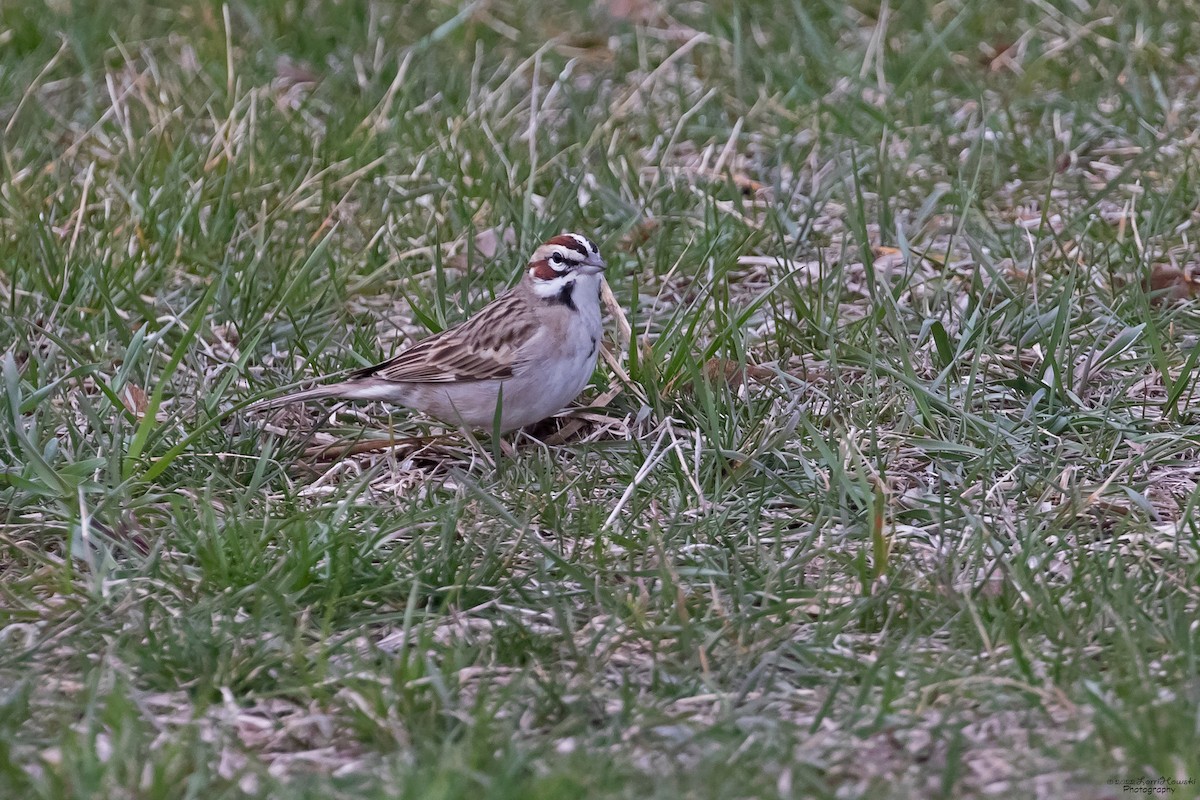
{"x": 886, "y": 485}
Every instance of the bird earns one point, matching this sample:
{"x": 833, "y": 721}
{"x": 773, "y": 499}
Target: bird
{"x": 531, "y": 351}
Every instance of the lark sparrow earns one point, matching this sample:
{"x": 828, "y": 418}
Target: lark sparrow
{"x": 532, "y": 350}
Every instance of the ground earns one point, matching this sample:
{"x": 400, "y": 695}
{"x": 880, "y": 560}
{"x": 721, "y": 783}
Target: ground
{"x": 885, "y": 486}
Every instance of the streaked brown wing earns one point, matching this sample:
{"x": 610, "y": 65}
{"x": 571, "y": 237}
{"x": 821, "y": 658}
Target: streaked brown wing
{"x": 485, "y": 347}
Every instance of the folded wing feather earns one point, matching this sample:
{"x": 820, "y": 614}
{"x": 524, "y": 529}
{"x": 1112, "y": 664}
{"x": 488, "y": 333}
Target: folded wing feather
{"x": 486, "y": 347}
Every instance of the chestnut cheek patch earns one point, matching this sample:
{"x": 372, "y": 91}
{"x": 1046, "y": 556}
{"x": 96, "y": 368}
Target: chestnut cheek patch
{"x": 543, "y": 271}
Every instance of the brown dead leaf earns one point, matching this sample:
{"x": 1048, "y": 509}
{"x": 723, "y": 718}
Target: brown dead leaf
{"x": 746, "y": 185}
{"x": 725, "y": 371}
{"x": 887, "y": 258}
{"x": 1012, "y": 271}
{"x": 1172, "y": 283}
{"x": 134, "y": 398}
{"x": 488, "y": 241}
{"x": 639, "y": 234}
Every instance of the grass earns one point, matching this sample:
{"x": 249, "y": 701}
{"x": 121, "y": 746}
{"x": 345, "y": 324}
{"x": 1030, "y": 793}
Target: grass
{"x": 891, "y": 491}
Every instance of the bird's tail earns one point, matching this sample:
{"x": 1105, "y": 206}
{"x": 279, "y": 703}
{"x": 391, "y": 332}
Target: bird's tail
{"x": 356, "y": 388}
{"x": 339, "y": 390}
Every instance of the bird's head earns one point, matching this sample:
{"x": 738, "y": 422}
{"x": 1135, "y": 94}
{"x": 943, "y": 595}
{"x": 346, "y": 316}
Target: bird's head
{"x": 560, "y": 262}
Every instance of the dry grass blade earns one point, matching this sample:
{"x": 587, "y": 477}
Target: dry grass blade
{"x": 335, "y": 451}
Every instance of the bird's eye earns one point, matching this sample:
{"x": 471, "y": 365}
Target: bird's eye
{"x": 556, "y": 258}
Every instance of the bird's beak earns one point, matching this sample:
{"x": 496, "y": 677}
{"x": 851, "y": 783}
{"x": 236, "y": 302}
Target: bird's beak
{"x": 594, "y": 265}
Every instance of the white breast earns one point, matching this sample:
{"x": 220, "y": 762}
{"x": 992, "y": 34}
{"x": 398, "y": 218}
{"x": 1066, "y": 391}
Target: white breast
{"x": 569, "y": 346}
